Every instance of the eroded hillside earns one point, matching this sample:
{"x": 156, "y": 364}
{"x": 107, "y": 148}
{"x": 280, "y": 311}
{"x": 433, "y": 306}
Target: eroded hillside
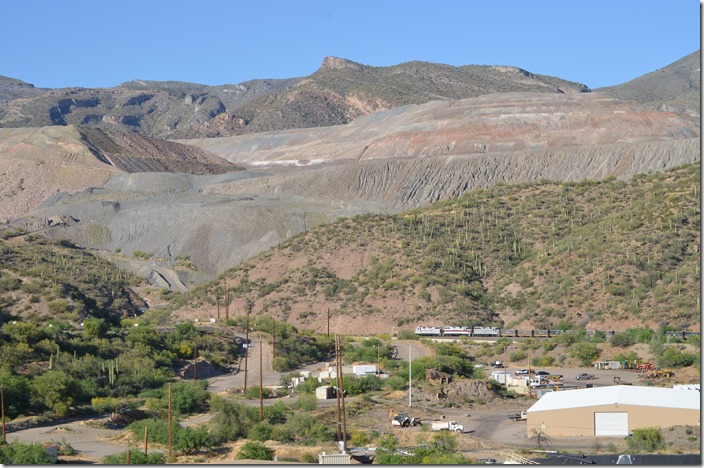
{"x": 608, "y": 254}
{"x": 36, "y": 163}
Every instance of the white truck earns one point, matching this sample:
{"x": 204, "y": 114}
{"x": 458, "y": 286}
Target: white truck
{"x": 447, "y": 426}
{"x": 522, "y": 416}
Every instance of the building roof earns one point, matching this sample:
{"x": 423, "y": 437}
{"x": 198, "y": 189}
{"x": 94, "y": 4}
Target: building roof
{"x": 619, "y": 394}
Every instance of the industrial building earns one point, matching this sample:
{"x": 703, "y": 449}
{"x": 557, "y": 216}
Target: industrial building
{"x": 612, "y": 411}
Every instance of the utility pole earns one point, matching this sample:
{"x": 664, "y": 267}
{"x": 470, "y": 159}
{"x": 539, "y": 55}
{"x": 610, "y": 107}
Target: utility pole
{"x": 218, "y": 301}
{"x": 170, "y": 444}
{"x": 227, "y": 302}
{"x": 328, "y": 322}
{"x": 378, "y": 361}
{"x": 195, "y": 364}
{"x": 273, "y": 338}
{"x": 261, "y": 383}
{"x": 337, "y": 390}
{"x": 505, "y": 368}
{"x": 410, "y": 385}
{"x": 146, "y": 438}
{"x": 344, "y": 413}
{"x": 246, "y": 341}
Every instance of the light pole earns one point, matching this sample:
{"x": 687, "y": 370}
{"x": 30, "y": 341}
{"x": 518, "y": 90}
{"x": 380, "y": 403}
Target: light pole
{"x": 506, "y": 364}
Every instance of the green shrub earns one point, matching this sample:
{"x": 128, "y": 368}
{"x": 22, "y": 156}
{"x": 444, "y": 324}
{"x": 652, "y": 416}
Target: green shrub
{"x": 308, "y": 386}
{"x": 252, "y": 392}
{"x": 396, "y": 382}
{"x": 19, "y": 453}
{"x": 586, "y": 352}
{"x": 623, "y": 340}
{"x": 359, "y": 385}
{"x": 137, "y": 457}
{"x": 191, "y": 441}
{"x": 231, "y": 420}
{"x": 673, "y": 357}
{"x": 103, "y": 404}
{"x": 407, "y": 335}
{"x": 260, "y": 432}
{"x": 17, "y": 391}
{"x": 306, "y": 402}
{"x": 255, "y": 451}
{"x": 646, "y": 440}
{"x": 142, "y": 255}
{"x": 543, "y": 361}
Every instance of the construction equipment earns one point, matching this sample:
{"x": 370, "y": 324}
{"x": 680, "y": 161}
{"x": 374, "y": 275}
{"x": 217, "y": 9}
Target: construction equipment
{"x": 403, "y": 420}
{"x": 659, "y": 373}
{"x": 645, "y": 366}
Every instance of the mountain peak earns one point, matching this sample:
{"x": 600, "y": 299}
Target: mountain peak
{"x": 336, "y": 63}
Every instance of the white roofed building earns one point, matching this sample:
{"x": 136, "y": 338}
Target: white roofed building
{"x": 612, "y": 411}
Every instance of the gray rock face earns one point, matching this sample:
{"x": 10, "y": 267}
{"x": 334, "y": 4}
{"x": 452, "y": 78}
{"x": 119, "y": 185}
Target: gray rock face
{"x": 220, "y": 221}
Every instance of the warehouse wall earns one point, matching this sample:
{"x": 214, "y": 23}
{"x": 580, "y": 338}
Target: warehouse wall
{"x": 572, "y": 422}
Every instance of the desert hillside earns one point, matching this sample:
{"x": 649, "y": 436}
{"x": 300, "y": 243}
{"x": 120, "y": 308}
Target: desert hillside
{"x": 592, "y": 254}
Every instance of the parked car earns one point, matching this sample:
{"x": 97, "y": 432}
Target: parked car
{"x": 525, "y": 372}
{"x": 585, "y": 376}
{"x": 542, "y": 372}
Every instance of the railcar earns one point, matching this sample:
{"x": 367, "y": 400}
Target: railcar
{"x": 486, "y": 331}
{"x": 429, "y": 331}
{"x": 456, "y": 331}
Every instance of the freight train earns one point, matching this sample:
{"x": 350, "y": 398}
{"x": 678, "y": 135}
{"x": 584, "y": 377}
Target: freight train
{"x": 481, "y": 331}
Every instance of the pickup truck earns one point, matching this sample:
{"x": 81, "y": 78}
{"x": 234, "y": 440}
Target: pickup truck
{"x": 447, "y": 426}
{"x": 518, "y": 416}
{"x": 585, "y": 376}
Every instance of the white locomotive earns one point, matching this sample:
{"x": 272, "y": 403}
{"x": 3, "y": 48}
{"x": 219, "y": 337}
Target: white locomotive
{"x": 458, "y": 331}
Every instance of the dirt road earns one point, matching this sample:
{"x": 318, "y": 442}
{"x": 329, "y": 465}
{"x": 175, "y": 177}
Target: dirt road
{"x": 90, "y": 441}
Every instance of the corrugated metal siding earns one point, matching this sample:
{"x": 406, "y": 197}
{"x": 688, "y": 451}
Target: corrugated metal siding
{"x": 574, "y": 422}
{"x": 334, "y": 459}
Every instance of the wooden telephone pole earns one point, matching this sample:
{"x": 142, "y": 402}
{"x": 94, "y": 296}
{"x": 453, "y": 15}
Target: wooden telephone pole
{"x": 195, "y": 364}
{"x": 246, "y": 342}
{"x": 261, "y": 383}
{"x": 170, "y": 441}
{"x": 378, "y": 361}
{"x": 273, "y": 338}
{"x": 337, "y": 391}
{"x": 227, "y": 302}
{"x": 342, "y": 397}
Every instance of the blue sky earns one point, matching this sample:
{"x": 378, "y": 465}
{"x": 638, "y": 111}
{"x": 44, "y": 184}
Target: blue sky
{"x": 100, "y": 43}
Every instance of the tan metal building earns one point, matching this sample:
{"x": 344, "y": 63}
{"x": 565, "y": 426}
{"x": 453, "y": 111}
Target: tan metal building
{"x": 612, "y": 411}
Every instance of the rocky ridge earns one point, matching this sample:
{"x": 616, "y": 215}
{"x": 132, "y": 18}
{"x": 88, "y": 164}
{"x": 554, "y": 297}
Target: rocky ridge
{"x": 337, "y": 93}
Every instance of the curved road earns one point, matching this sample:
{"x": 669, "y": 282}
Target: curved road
{"x": 89, "y": 441}
{"x": 97, "y": 443}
